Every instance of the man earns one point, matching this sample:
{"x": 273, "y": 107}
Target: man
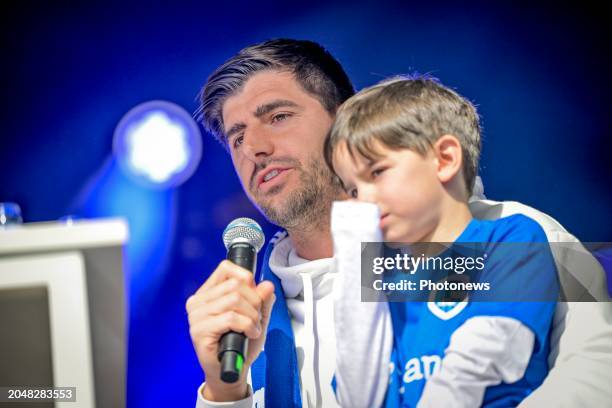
{"x": 271, "y": 106}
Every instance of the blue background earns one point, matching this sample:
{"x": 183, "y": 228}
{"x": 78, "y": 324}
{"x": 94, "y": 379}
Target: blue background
{"x": 539, "y": 75}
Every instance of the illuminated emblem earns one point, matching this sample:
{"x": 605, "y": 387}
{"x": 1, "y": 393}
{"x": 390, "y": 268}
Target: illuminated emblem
{"x": 446, "y": 310}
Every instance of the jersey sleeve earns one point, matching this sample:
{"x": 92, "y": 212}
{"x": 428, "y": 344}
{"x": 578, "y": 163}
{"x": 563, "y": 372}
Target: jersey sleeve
{"x": 522, "y": 275}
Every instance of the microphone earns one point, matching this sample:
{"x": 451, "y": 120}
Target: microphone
{"x": 243, "y": 238}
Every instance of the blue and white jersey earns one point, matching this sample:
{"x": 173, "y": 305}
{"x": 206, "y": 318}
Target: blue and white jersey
{"x": 422, "y": 330}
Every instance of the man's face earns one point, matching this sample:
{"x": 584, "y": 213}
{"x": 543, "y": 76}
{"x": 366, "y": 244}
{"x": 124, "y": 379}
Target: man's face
{"x": 275, "y": 132}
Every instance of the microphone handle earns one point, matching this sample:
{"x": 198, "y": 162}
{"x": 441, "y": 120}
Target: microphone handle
{"x": 233, "y": 346}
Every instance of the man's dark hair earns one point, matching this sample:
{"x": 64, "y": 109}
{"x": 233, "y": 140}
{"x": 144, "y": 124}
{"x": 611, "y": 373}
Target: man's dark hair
{"x": 314, "y": 68}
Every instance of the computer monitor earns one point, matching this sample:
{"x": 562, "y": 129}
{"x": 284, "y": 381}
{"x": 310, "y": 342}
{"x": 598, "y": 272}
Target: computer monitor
{"x": 63, "y": 308}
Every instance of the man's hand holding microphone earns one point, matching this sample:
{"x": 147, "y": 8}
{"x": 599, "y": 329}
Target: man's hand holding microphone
{"x": 226, "y": 306}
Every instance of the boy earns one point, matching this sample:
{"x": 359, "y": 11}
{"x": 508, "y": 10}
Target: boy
{"x": 411, "y": 147}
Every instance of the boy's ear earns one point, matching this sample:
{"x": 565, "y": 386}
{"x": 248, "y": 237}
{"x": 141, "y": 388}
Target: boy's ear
{"x": 449, "y": 155}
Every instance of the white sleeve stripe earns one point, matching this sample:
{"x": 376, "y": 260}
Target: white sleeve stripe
{"x": 483, "y": 351}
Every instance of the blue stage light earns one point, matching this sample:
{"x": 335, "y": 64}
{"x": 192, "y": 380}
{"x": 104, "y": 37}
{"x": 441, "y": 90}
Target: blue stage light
{"x": 158, "y": 144}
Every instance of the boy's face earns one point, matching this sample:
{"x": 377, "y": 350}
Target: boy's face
{"x": 404, "y": 184}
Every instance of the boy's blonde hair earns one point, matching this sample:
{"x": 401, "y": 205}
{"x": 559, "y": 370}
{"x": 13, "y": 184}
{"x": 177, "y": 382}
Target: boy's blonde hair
{"x": 407, "y": 113}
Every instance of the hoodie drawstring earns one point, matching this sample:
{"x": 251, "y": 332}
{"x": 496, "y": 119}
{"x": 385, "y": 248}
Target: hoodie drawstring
{"x": 309, "y": 387}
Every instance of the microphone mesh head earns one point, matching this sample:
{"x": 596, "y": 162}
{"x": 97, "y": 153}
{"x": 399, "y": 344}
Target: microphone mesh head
{"x": 244, "y": 230}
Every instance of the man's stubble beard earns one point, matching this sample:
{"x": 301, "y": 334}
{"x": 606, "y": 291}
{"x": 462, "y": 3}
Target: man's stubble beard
{"x": 309, "y": 205}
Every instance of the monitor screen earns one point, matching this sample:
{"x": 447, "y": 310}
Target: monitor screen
{"x": 44, "y": 325}
{"x": 62, "y": 311}
{"x": 25, "y": 338}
